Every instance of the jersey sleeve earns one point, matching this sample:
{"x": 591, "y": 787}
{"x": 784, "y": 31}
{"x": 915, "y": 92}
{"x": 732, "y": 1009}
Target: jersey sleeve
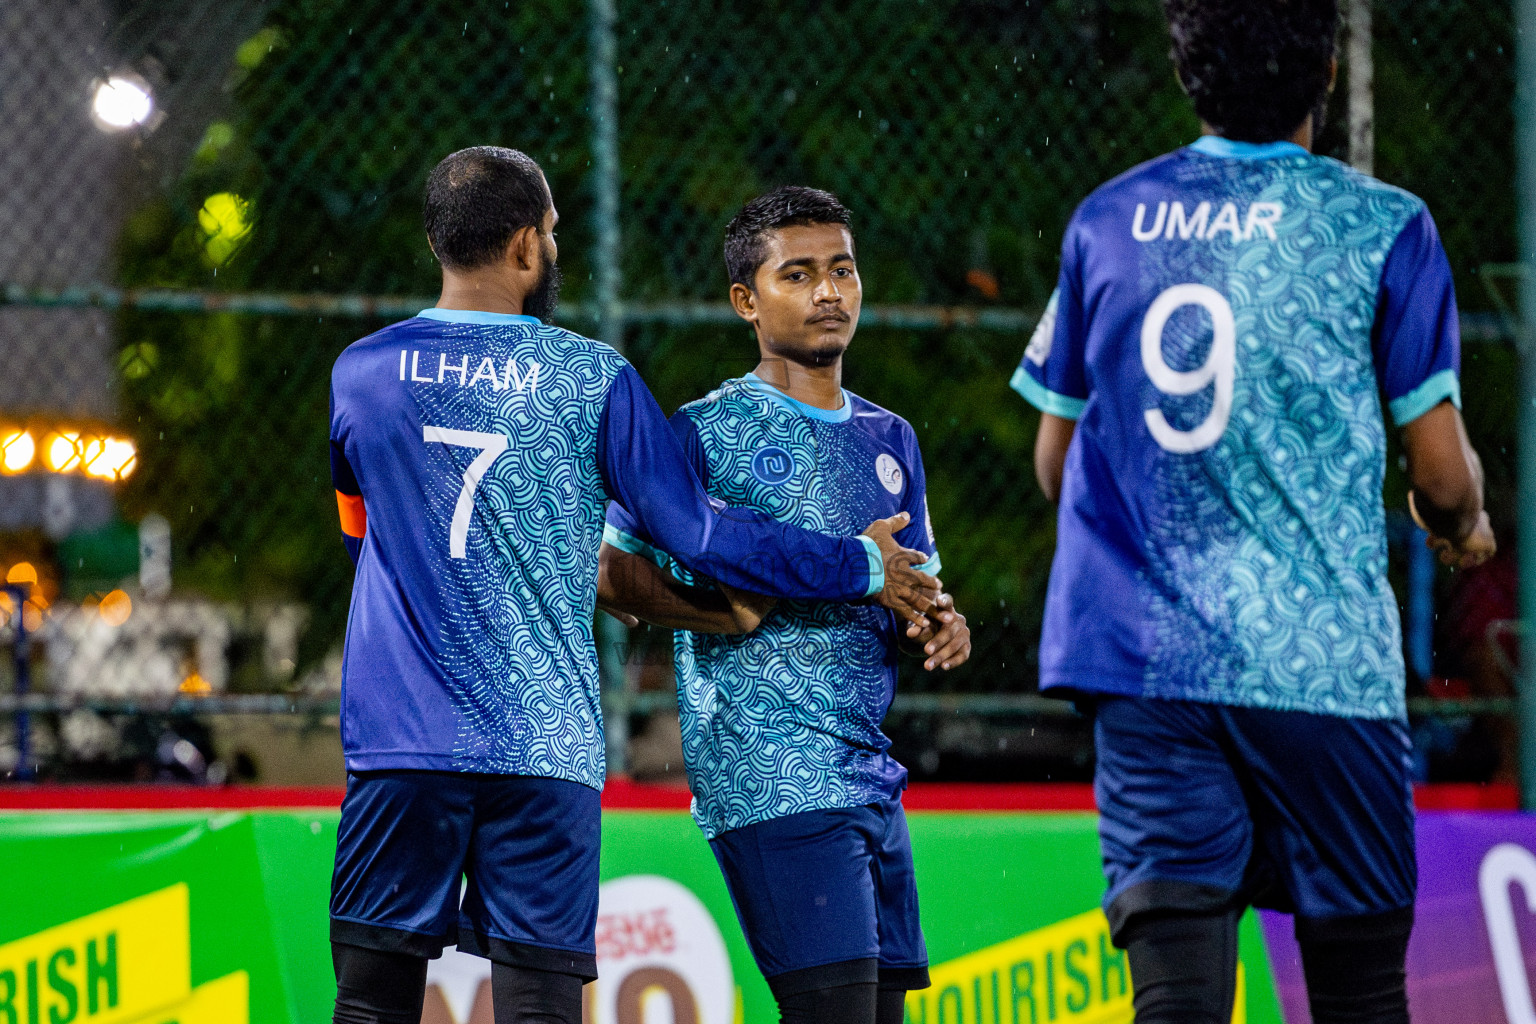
{"x": 918, "y": 534}
{"x": 621, "y": 529}
{"x": 647, "y": 472}
{"x": 1051, "y": 376}
{"x": 349, "y": 495}
{"x": 1416, "y": 339}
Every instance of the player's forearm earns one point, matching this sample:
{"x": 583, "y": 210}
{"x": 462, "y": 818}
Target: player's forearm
{"x": 1445, "y": 472}
{"x": 1051, "y": 443}
{"x": 629, "y": 583}
{"x": 1449, "y": 508}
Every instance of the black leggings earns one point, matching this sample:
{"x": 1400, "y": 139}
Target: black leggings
{"x": 1184, "y": 968}
{"x": 374, "y": 987}
{"x": 862, "y": 1003}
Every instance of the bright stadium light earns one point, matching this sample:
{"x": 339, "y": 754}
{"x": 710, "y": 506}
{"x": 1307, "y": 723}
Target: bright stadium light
{"x": 17, "y": 450}
{"x": 108, "y": 458}
{"x": 122, "y": 101}
{"x": 61, "y": 452}
{"x": 121, "y": 457}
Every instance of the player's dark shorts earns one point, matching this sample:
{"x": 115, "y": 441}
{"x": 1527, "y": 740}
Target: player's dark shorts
{"x": 1207, "y": 806}
{"x": 828, "y": 898}
{"x": 528, "y": 847}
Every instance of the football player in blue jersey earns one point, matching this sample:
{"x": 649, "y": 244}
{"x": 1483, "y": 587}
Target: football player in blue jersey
{"x": 474, "y": 449}
{"x": 1208, "y": 373}
{"x": 781, "y": 704}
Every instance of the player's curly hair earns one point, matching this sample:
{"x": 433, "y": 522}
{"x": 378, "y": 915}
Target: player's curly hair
{"x": 785, "y": 206}
{"x": 1255, "y": 69}
{"x": 477, "y": 199}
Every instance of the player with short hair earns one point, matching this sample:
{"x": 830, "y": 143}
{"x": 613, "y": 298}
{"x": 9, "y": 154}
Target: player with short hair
{"x": 474, "y": 450}
{"x": 1208, "y": 373}
{"x": 792, "y": 778}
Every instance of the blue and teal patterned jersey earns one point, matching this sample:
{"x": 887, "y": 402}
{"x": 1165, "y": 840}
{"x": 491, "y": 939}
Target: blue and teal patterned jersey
{"x": 787, "y": 718}
{"x": 473, "y": 456}
{"x": 1224, "y": 320}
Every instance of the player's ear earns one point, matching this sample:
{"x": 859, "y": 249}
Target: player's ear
{"x": 523, "y": 250}
{"x": 1333, "y": 74}
{"x": 744, "y": 302}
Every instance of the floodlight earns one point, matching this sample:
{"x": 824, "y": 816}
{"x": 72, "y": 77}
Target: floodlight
{"x": 122, "y": 101}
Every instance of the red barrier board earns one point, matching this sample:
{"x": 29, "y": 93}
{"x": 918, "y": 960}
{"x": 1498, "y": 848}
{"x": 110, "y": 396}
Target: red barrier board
{"x": 626, "y": 794}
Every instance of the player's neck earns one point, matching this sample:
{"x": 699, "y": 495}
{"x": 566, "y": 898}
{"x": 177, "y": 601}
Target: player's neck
{"x": 820, "y": 387}
{"x": 481, "y": 292}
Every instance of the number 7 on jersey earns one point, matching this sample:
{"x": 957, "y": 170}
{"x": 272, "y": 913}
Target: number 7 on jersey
{"x": 491, "y": 446}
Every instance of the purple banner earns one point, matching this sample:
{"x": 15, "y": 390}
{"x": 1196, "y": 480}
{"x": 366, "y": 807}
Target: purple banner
{"x": 1473, "y": 953}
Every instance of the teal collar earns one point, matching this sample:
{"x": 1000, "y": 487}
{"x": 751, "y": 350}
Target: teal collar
{"x": 795, "y": 405}
{"x": 475, "y": 316}
{"x": 1215, "y": 145}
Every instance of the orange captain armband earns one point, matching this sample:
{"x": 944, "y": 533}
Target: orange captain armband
{"x": 354, "y": 517}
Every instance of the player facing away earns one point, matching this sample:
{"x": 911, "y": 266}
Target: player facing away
{"x": 474, "y": 450}
{"x": 1208, "y": 372}
{"x": 792, "y": 778}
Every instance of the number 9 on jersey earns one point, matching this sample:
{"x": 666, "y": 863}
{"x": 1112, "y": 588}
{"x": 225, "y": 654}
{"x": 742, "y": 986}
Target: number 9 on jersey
{"x": 1220, "y": 367}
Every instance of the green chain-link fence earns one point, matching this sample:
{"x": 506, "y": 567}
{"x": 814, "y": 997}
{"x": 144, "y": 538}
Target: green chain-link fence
{"x": 282, "y": 170}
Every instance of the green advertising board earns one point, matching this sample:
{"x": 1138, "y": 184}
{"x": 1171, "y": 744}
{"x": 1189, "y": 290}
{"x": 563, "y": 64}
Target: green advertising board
{"x": 220, "y": 918}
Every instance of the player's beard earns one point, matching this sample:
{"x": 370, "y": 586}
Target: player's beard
{"x": 825, "y": 353}
{"x": 545, "y": 296}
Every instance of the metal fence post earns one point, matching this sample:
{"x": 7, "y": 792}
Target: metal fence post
{"x": 1525, "y": 186}
{"x": 1361, "y": 68}
{"x": 612, "y": 637}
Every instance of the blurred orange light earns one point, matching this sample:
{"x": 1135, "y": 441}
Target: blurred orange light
{"x": 91, "y": 450}
{"x": 61, "y": 451}
{"x": 115, "y": 608}
{"x": 195, "y": 685}
{"x": 118, "y": 459}
{"x": 7, "y": 607}
{"x": 31, "y": 616}
{"x": 69, "y": 451}
{"x": 17, "y": 450}
{"x": 22, "y": 572}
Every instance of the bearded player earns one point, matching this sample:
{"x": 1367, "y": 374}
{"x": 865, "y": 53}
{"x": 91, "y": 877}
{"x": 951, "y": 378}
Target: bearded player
{"x": 1208, "y": 374}
{"x": 792, "y": 778}
{"x": 474, "y": 449}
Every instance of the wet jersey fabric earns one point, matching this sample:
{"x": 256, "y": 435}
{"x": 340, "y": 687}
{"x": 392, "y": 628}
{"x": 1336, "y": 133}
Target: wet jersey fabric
{"x": 473, "y": 455}
{"x": 787, "y": 718}
{"x": 1224, "y": 319}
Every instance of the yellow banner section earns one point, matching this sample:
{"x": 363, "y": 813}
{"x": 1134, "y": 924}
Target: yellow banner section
{"x": 1067, "y": 972}
{"x": 224, "y": 1000}
{"x": 116, "y": 965}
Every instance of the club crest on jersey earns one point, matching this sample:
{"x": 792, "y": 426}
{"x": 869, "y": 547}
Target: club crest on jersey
{"x": 889, "y": 472}
{"x": 773, "y": 465}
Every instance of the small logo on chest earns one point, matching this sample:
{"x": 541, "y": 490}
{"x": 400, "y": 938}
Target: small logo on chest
{"x": 772, "y": 465}
{"x": 889, "y": 472}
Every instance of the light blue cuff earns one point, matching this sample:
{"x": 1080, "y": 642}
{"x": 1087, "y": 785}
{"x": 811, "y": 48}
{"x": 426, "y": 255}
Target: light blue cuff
{"x": 615, "y": 537}
{"x": 1425, "y": 397}
{"x": 932, "y": 567}
{"x": 1044, "y": 399}
{"x": 876, "y": 566}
